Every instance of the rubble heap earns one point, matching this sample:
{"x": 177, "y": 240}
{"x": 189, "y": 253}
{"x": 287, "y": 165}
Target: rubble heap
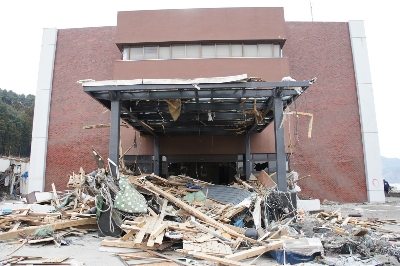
{"x": 234, "y": 224}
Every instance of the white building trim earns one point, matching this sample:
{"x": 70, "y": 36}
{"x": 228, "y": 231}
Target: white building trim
{"x": 37, "y": 168}
{"x": 369, "y": 129}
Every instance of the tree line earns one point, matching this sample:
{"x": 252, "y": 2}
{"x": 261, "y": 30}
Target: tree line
{"x": 16, "y": 119}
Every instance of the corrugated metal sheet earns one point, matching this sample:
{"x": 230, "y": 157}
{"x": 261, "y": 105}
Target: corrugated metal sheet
{"x": 226, "y": 194}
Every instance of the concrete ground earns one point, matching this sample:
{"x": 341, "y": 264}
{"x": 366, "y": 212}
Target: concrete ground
{"x": 388, "y": 210}
{"x": 85, "y": 248}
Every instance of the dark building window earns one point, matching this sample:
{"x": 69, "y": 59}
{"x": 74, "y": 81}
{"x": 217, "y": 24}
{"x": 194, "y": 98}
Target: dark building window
{"x": 206, "y": 50}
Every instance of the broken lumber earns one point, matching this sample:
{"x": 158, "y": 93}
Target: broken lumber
{"x": 197, "y": 213}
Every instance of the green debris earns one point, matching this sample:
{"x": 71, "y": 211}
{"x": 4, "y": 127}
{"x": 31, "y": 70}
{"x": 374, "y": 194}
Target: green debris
{"x": 199, "y": 196}
{"x": 43, "y": 231}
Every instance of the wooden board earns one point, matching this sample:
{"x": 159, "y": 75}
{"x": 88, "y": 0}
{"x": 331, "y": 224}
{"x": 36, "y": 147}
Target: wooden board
{"x": 157, "y": 227}
{"x": 346, "y": 221}
{"x": 265, "y": 179}
{"x": 144, "y": 230}
{"x": 124, "y": 244}
{"x": 212, "y": 247}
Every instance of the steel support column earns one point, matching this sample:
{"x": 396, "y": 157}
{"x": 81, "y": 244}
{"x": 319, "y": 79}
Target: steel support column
{"x": 248, "y": 162}
{"x": 156, "y": 160}
{"x": 280, "y": 144}
{"x": 115, "y": 130}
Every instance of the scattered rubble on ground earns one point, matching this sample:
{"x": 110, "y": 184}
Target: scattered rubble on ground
{"x": 206, "y": 224}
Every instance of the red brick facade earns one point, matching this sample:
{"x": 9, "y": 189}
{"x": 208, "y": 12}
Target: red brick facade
{"x": 333, "y": 156}
{"x": 87, "y": 53}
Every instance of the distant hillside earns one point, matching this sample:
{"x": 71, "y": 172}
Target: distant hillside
{"x": 16, "y": 116}
{"x": 391, "y": 169}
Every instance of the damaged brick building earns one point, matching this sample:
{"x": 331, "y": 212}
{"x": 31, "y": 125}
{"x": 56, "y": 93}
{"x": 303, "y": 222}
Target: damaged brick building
{"x": 342, "y": 156}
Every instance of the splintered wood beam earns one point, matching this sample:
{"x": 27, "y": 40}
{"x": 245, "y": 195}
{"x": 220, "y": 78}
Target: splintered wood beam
{"x": 158, "y": 225}
{"x": 123, "y": 124}
{"x": 55, "y": 196}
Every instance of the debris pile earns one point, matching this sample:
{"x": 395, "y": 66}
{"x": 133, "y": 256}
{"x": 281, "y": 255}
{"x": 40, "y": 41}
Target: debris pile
{"x": 234, "y": 224}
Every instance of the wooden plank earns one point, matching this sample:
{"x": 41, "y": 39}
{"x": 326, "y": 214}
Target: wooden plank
{"x": 265, "y": 179}
{"x": 234, "y": 211}
{"x": 208, "y": 230}
{"x": 130, "y": 227}
{"x": 140, "y": 235}
{"x": 55, "y": 226}
{"x": 346, "y": 221}
{"x": 237, "y": 244}
{"x": 124, "y": 244}
{"x": 157, "y": 224}
{"x": 159, "y": 238}
{"x": 55, "y": 196}
{"x": 136, "y": 223}
{"x": 277, "y": 232}
{"x": 210, "y": 247}
{"x": 36, "y": 214}
{"x": 157, "y": 231}
{"x": 245, "y": 254}
{"x": 138, "y": 253}
{"x": 15, "y": 228}
{"x": 128, "y": 235}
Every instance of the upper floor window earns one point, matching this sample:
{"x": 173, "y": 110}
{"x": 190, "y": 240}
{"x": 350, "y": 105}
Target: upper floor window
{"x": 206, "y": 50}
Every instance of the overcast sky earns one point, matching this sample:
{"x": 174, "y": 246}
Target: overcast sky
{"x": 21, "y": 24}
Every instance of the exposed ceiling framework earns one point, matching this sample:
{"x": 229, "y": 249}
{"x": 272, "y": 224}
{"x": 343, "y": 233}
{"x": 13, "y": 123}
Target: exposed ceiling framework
{"x": 215, "y": 106}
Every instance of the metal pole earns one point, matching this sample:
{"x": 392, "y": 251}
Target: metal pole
{"x": 247, "y": 156}
{"x": 115, "y": 131}
{"x": 280, "y": 144}
{"x": 156, "y": 159}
